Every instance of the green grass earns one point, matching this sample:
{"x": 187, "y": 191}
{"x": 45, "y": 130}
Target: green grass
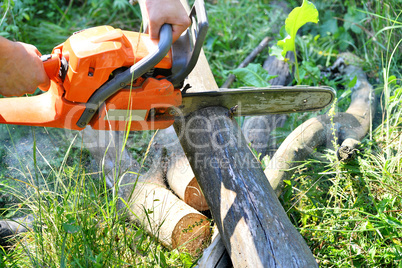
{"x": 350, "y": 214}
{"x": 78, "y": 223}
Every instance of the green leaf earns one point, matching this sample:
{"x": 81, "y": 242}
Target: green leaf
{"x": 352, "y": 19}
{"x": 393, "y": 221}
{"x": 120, "y": 4}
{"x": 295, "y": 20}
{"x": 71, "y": 228}
{"x": 162, "y": 259}
{"x": 253, "y": 75}
{"x": 26, "y": 16}
{"x": 276, "y": 51}
{"x": 392, "y": 80}
{"x": 352, "y": 82}
{"x": 329, "y": 25}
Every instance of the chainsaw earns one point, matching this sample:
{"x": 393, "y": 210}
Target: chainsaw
{"x": 113, "y": 79}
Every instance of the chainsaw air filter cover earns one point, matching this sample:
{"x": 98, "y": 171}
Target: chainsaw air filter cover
{"x": 93, "y": 54}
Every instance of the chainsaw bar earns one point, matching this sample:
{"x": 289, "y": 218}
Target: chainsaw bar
{"x": 260, "y": 101}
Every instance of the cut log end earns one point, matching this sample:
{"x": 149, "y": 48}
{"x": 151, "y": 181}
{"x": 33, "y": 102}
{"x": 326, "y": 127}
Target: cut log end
{"x": 191, "y": 233}
{"x": 182, "y": 181}
{"x": 194, "y": 196}
{"x": 348, "y": 150}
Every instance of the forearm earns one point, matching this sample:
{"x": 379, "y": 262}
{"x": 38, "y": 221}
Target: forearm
{"x": 7, "y": 50}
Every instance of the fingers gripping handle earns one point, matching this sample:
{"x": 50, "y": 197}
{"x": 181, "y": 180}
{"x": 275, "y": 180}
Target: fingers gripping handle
{"x": 52, "y": 64}
{"x": 125, "y": 78}
{"x": 187, "y": 49}
{"x": 55, "y": 66}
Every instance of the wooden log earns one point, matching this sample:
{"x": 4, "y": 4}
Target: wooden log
{"x": 215, "y": 256}
{"x": 144, "y": 197}
{"x": 254, "y": 227}
{"x": 348, "y": 150}
{"x": 179, "y": 175}
{"x": 236, "y": 229}
{"x": 351, "y": 126}
{"x": 182, "y": 181}
{"x": 165, "y": 216}
{"x": 9, "y": 229}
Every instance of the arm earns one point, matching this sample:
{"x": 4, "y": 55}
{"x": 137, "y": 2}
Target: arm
{"x": 21, "y": 69}
{"x": 160, "y": 12}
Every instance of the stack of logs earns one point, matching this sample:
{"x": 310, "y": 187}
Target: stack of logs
{"x": 165, "y": 200}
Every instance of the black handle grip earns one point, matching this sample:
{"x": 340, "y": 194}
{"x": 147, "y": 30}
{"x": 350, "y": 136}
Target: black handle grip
{"x": 187, "y": 49}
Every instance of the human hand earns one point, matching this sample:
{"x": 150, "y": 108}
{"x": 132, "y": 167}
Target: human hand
{"x": 172, "y": 12}
{"x": 21, "y": 69}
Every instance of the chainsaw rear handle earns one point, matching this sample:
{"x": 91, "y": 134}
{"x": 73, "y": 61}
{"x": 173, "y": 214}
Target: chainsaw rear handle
{"x": 52, "y": 64}
{"x": 187, "y": 48}
{"x": 125, "y": 78}
{"x": 56, "y": 66}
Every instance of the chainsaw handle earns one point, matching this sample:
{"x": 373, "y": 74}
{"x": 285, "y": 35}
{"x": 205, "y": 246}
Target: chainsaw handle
{"x": 51, "y": 63}
{"x": 56, "y": 66}
{"x": 187, "y": 48}
{"x": 125, "y": 78}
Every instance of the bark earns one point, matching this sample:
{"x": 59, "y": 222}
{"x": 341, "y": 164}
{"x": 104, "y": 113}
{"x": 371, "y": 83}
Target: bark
{"x": 183, "y": 183}
{"x": 215, "y": 256}
{"x": 257, "y": 129}
{"x": 350, "y": 126}
{"x": 166, "y": 217}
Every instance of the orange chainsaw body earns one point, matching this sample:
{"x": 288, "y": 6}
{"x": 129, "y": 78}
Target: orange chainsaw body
{"x": 93, "y": 55}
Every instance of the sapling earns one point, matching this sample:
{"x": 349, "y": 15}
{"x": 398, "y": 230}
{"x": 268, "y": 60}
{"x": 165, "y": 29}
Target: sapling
{"x": 299, "y": 16}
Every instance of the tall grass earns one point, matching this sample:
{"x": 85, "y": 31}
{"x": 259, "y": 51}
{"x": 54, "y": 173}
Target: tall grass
{"x": 351, "y": 213}
{"x": 77, "y": 222}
